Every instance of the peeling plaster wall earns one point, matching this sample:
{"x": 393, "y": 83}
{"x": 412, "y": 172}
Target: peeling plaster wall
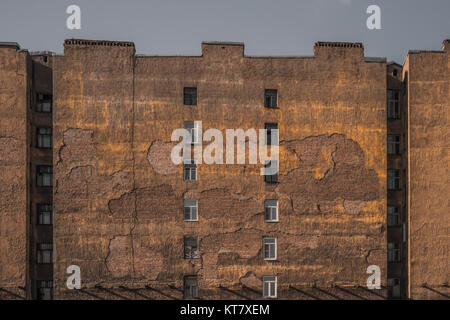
{"x": 428, "y": 104}
{"x": 119, "y": 200}
{"x": 14, "y": 86}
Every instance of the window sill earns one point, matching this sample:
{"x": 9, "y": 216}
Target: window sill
{"x": 277, "y": 107}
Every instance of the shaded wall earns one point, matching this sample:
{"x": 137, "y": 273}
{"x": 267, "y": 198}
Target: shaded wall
{"x": 14, "y": 142}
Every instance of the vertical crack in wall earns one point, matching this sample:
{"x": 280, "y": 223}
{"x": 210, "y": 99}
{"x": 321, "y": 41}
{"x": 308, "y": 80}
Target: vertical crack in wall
{"x": 135, "y": 217}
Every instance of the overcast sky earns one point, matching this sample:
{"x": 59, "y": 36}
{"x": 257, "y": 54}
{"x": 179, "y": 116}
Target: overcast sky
{"x": 267, "y": 27}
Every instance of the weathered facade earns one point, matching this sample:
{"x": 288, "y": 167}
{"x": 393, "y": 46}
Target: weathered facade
{"x": 119, "y": 201}
{"x": 427, "y": 84}
{"x": 25, "y": 80}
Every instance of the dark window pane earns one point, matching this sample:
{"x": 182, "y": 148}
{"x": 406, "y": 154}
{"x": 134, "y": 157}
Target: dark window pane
{"x": 44, "y": 138}
{"x": 44, "y": 214}
{"x": 44, "y": 176}
{"x": 270, "y": 98}
{"x": 190, "y": 96}
{"x": 43, "y": 103}
{"x": 269, "y": 127}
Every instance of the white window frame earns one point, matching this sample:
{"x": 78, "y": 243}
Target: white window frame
{"x": 273, "y": 208}
{"x": 192, "y": 167}
{"x": 271, "y": 242}
{"x": 192, "y": 206}
{"x": 267, "y": 282}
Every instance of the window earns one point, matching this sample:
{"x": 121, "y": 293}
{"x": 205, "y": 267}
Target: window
{"x": 394, "y": 252}
{"x": 394, "y": 72}
{"x": 190, "y": 287}
{"x": 190, "y": 96}
{"x": 269, "y": 287}
{"x": 393, "y": 288}
{"x": 271, "y": 134}
{"x": 190, "y": 171}
{"x": 393, "y": 216}
{"x": 268, "y": 177}
{"x": 44, "y": 213}
{"x": 270, "y": 98}
{"x": 44, "y": 176}
{"x": 393, "y": 144}
{"x": 44, "y": 137}
{"x": 44, "y": 103}
{"x": 45, "y": 290}
{"x": 393, "y": 182}
{"x": 44, "y": 253}
{"x": 393, "y": 104}
{"x": 271, "y": 210}
{"x": 193, "y": 128}
{"x": 190, "y": 210}
{"x": 190, "y": 248}
{"x": 270, "y": 248}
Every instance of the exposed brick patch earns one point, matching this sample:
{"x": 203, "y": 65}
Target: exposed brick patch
{"x": 158, "y": 156}
{"x": 329, "y": 168}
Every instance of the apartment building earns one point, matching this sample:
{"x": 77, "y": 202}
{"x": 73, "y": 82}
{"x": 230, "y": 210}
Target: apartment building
{"x": 104, "y": 194}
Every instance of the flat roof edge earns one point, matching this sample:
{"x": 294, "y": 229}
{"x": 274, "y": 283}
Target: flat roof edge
{"x": 224, "y": 43}
{"x": 424, "y": 51}
{"x": 40, "y": 53}
{"x": 375, "y": 59}
{"x": 10, "y": 45}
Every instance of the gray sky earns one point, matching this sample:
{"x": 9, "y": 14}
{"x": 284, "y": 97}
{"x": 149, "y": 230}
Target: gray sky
{"x": 267, "y": 27}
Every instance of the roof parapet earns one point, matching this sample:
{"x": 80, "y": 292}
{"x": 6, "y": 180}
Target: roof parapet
{"x": 339, "y": 44}
{"x": 446, "y": 45}
{"x": 326, "y": 49}
{"x": 12, "y": 45}
{"x": 221, "y": 49}
{"x": 97, "y": 43}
